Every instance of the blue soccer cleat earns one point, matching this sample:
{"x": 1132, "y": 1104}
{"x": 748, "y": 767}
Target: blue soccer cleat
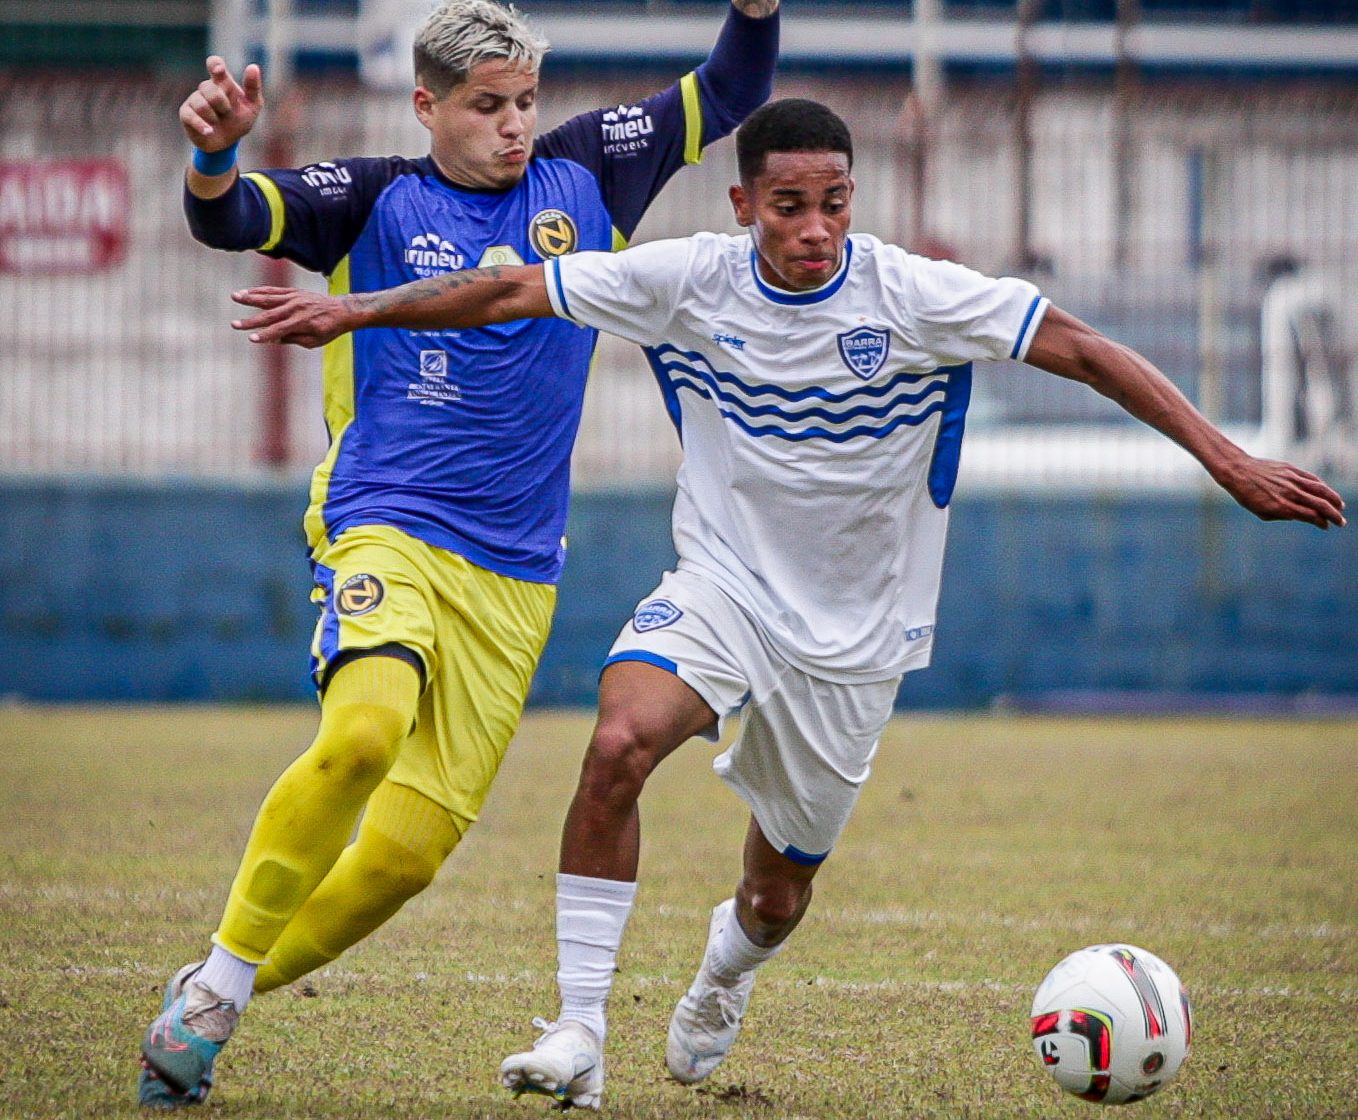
{"x": 152, "y": 1092}
{"x": 182, "y": 1043}
{"x": 155, "y": 1094}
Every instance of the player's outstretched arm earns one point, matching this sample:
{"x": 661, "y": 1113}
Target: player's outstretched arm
{"x": 1270, "y": 490}
{"x": 216, "y": 116}
{"x": 474, "y": 297}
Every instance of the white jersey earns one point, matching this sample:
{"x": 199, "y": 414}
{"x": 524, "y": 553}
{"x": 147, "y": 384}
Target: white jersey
{"x": 821, "y": 430}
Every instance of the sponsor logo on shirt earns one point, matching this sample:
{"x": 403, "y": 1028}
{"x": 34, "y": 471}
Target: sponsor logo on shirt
{"x": 729, "y": 340}
{"x": 428, "y": 254}
{"x": 328, "y": 179}
{"x": 864, "y": 351}
{"x": 654, "y": 614}
{"x": 358, "y": 595}
{"x": 552, "y": 233}
{"x": 433, "y": 387}
{"x": 916, "y": 633}
{"x": 626, "y": 130}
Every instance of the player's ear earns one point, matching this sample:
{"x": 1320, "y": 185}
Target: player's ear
{"x": 423, "y": 100}
{"x": 740, "y": 203}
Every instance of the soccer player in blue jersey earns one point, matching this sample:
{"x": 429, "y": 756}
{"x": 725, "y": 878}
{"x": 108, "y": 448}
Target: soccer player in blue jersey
{"x": 436, "y": 519}
{"x": 820, "y": 381}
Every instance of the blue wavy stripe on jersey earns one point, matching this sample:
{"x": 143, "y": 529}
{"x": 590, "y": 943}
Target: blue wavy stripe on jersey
{"x": 844, "y": 436}
{"x": 701, "y": 384}
{"x": 697, "y": 363}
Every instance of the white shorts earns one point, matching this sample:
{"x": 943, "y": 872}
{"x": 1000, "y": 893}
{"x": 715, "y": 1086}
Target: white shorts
{"x": 805, "y": 745}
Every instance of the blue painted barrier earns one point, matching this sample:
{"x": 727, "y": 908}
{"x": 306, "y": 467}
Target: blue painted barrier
{"x": 184, "y": 590}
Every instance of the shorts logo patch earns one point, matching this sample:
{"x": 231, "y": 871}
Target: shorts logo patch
{"x": 358, "y": 595}
{"x": 864, "y": 351}
{"x": 655, "y": 614}
{"x": 552, "y": 233}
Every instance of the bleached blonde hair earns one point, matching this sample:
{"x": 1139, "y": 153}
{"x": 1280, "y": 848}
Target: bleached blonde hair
{"x": 461, "y": 34}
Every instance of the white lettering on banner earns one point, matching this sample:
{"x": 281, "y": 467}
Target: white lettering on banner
{"x": 63, "y": 216}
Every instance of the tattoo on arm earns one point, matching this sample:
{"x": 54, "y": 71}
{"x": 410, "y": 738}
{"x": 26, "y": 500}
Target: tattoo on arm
{"x": 756, "y": 9}
{"x": 419, "y": 291}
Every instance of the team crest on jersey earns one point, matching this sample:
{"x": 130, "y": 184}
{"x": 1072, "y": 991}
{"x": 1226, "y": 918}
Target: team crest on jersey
{"x": 358, "y": 595}
{"x": 655, "y": 614}
{"x": 552, "y": 233}
{"x": 864, "y": 351}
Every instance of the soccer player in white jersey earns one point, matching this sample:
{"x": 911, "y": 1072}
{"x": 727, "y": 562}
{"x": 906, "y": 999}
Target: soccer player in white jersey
{"x": 820, "y": 382}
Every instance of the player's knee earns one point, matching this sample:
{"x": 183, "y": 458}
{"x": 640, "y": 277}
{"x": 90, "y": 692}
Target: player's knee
{"x": 359, "y": 746}
{"x": 775, "y": 904}
{"x": 618, "y": 762}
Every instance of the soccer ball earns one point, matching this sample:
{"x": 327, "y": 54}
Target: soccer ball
{"x": 1112, "y": 1024}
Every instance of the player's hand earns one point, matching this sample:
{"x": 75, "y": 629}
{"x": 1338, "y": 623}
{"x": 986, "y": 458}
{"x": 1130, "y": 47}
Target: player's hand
{"x": 290, "y": 315}
{"x": 1275, "y": 491}
{"x": 221, "y": 110}
{"x": 756, "y": 9}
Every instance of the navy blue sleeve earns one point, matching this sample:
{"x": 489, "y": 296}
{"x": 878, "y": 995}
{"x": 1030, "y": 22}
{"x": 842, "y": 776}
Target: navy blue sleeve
{"x": 737, "y": 77}
{"x": 310, "y": 215}
{"x": 633, "y": 150}
{"x": 236, "y": 220}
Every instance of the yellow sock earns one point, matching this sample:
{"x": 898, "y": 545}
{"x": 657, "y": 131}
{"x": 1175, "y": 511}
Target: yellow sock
{"x": 402, "y": 842}
{"x": 309, "y": 813}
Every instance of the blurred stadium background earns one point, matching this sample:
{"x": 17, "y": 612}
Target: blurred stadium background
{"x": 1182, "y": 173}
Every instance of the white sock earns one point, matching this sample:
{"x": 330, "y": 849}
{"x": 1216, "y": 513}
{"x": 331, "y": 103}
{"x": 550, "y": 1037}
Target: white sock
{"x": 734, "y": 954}
{"x": 228, "y": 976}
{"x": 590, "y": 917}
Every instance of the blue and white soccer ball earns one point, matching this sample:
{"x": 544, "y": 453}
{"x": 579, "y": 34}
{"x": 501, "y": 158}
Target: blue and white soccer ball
{"x": 1112, "y": 1024}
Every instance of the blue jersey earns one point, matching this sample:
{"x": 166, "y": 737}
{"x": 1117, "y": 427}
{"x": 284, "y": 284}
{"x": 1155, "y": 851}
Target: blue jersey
{"x": 462, "y": 438}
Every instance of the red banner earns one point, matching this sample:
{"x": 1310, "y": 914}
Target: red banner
{"x": 63, "y": 216}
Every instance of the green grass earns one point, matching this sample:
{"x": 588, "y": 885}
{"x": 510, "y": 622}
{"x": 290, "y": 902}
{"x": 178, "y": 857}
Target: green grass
{"x": 983, "y": 850}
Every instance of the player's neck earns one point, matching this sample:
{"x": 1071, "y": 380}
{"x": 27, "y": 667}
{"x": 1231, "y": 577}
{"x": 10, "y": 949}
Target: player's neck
{"x": 771, "y": 278}
{"x": 449, "y": 175}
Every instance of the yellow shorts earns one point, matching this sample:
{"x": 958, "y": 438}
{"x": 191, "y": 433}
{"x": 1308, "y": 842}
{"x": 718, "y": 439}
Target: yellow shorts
{"x": 477, "y": 633}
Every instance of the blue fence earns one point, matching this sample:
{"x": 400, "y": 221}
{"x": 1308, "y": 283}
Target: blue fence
{"x": 139, "y": 591}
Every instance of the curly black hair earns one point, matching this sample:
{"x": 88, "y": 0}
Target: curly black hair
{"x": 793, "y": 124}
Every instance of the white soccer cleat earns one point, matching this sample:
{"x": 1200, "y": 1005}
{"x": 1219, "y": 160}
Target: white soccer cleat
{"x": 566, "y": 1063}
{"x": 707, "y": 1019}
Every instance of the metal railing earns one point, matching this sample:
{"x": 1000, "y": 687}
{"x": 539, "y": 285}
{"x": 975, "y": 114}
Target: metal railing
{"x": 1164, "y": 218}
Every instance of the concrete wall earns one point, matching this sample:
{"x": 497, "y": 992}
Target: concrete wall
{"x": 123, "y": 590}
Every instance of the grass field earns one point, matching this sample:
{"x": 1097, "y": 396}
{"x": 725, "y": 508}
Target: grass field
{"x": 983, "y": 850}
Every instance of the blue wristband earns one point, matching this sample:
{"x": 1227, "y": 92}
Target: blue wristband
{"x": 214, "y": 163}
